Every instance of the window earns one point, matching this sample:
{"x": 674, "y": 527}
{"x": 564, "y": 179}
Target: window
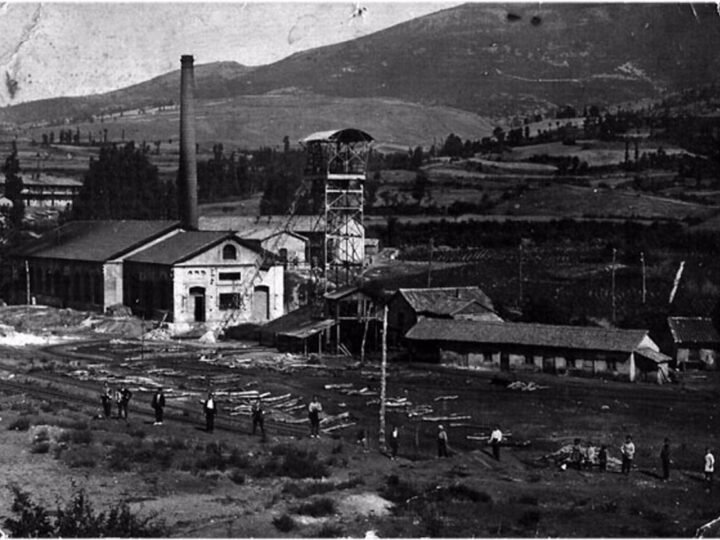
{"x": 229, "y": 252}
{"x": 229, "y": 276}
{"x": 230, "y": 301}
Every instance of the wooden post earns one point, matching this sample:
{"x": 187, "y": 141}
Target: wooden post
{"x": 383, "y": 381}
{"x": 644, "y": 290}
{"x": 365, "y": 331}
{"x": 430, "y": 261}
{"x": 27, "y": 282}
{"x": 613, "y": 285}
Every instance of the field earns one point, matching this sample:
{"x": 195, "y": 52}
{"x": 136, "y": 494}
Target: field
{"x": 232, "y": 484}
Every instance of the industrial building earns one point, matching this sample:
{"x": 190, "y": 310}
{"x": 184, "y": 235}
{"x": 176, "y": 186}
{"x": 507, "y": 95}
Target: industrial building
{"x": 629, "y": 354}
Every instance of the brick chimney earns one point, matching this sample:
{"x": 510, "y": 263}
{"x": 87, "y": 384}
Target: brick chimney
{"x": 187, "y": 175}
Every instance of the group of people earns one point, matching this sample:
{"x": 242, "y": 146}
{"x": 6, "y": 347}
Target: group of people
{"x": 120, "y": 396}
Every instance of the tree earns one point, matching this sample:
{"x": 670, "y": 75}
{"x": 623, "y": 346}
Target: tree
{"x": 419, "y": 187}
{"x": 123, "y": 184}
{"x": 416, "y": 159}
{"x": 14, "y": 187}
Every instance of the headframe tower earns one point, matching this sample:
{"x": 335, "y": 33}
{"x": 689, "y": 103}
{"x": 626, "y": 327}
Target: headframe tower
{"x": 339, "y": 159}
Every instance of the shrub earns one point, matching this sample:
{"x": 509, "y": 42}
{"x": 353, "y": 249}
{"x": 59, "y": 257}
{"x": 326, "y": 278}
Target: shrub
{"x": 81, "y": 459}
{"x": 528, "y": 499}
{"x": 330, "y": 530}
{"x": 137, "y": 433}
{"x": 530, "y": 518}
{"x": 40, "y": 447}
{"x": 398, "y": 491}
{"x": 302, "y": 490}
{"x": 77, "y": 519}
{"x": 461, "y": 491}
{"x": 292, "y": 462}
{"x": 284, "y": 523}
{"x": 322, "y": 506}
{"x": 238, "y": 459}
{"x": 21, "y": 423}
{"x": 237, "y": 476}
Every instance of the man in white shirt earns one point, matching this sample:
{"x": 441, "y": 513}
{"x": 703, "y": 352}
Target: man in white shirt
{"x": 495, "y": 440}
{"x": 210, "y": 411}
{"x": 709, "y": 468}
{"x": 628, "y": 453}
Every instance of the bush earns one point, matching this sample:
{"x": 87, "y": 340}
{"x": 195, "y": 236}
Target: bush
{"x": 529, "y": 518}
{"x": 292, "y": 462}
{"x": 284, "y": 523}
{"x": 528, "y": 499}
{"x": 76, "y": 436}
{"x": 237, "y": 476}
{"x": 398, "y": 491}
{"x": 322, "y": 506}
{"x": 461, "y": 491}
{"x": 330, "y": 530}
{"x": 238, "y": 459}
{"x": 20, "y": 424}
{"x": 40, "y": 447}
{"x": 77, "y": 519}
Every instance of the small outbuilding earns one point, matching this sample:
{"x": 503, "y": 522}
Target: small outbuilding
{"x": 696, "y": 342}
{"x": 538, "y": 347}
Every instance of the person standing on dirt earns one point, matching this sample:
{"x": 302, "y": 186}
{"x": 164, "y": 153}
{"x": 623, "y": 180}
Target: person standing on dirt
{"x": 125, "y": 395}
{"x": 394, "y": 435}
{"x": 106, "y": 398}
{"x": 665, "y": 459}
{"x": 442, "y": 442}
{"x": 602, "y": 458}
{"x": 258, "y": 417}
{"x": 628, "y": 453}
{"x": 314, "y": 410}
{"x": 709, "y": 469}
{"x": 158, "y": 404}
{"x": 495, "y": 440}
{"x": 210, "y": 409}
{"x": 576, "y": 455}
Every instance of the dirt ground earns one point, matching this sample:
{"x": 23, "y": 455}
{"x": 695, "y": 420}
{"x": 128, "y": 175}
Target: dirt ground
{"x": 168, "y": 471}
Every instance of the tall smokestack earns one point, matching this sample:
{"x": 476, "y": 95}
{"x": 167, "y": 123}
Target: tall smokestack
{"x": 187, "y": 178}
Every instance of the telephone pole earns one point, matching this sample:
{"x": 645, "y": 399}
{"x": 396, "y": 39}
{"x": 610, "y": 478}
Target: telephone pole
{"x": 383, "y": 380}
{"x": 644, "y": 290}
{"x": 613, "y": 285}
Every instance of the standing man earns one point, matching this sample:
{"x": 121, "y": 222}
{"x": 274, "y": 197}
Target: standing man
{"x": 106, "y": 398}
{"x": 125, "y": 395}
{"x": 665, "y": 459}
{"x": 495, "y": 440}
{"x": 158, "y": 404}
{"x": 602, "y": 458}
{"x": 442, "y": 442}
{"x": 210, "y": 409}
{"x": 628, "y": 453}
{"x": 314, "y": 410}
{"x": 394, "y": 434}
{"x": 709, "y": 469}
{"x": 258, "y": 416}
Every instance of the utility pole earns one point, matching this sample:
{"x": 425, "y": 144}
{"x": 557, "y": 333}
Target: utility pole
{"x": 430, "y": 261}
{"x": 383, "y": 381}
{"x": 520, "y": 274}
{"x": 27, "y": 282}
{"x": 644, "y": 289}
{"x": 613, "y": 285}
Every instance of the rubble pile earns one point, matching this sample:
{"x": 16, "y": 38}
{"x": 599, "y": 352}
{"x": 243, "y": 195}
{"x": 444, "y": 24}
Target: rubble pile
{"x": 589, "y": 455}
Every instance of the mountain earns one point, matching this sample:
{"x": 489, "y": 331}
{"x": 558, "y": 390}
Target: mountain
{"x": 491, "y": 60}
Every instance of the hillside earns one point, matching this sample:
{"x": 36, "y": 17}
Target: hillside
{"x": 494, "y": 60}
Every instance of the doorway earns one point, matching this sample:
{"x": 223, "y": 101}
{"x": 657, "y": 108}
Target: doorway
{"x": 198, "y": 301}
{"x": 261, "y": 303}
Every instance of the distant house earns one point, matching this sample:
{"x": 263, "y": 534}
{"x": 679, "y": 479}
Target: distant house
{"x": 290, "y": 248}
{"x": 696, "y": 342}
{"x": 538, "y": 347}
{"x": 49, "y": 191}
{"x": 407, "y": 305}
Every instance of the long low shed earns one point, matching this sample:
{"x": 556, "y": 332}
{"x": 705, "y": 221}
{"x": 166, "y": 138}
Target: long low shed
{"x": 537, "y": 347}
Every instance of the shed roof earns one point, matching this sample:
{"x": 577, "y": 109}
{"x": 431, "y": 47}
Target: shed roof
{"x": 444, "y": 300}
{"x": 96, "y": 241}
{"x": 298, "y": 223}
{"x": 185, "y": 245}
{"x": 541, "y": 335}
{"x": 693, "y": 330}
{"x": 347, "y": 135}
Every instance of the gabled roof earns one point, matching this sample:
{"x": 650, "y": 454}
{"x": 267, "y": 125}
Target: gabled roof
{"x": 693, "y": 330}
{"x": 300, "y": 223}
{"x": 185, "y": 245}
{"x": 541, "y": 335}
{"x": 96, "y": 241}
{"x": 444, "y": 300}
{"x": 348, "y": 135}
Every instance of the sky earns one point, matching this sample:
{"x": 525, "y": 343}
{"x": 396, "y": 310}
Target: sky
{"x": 62, "y": 49}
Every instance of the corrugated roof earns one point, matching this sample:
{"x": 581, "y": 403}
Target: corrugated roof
{"x": 96, "y": 241}
{"x": 444, "y": 300}
{"x": 263, "y": 233}
{"x": 542, "y": 335}
{"x": 347, "y": 135}
{"x": 309, "y": 329}
{"x": 185, "y": 245}
{"x": 693, "y": 330}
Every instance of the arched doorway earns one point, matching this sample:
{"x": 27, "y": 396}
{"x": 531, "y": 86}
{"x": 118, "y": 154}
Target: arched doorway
{"x": 261, "y": 303}
{"x": 197, "y": 294}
